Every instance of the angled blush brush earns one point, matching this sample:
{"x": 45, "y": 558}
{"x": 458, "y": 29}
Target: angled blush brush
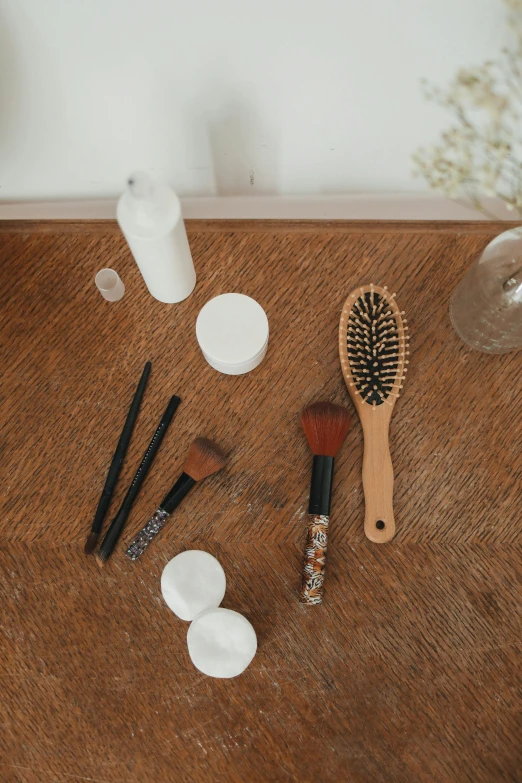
{"x": 203, "y": 459}
{"x": 325, "y": 426}
{"x": 373, "y": 348}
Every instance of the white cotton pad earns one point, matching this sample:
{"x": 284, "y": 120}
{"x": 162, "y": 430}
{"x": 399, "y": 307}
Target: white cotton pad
{"x": 221, "y": 643}
{"x": 191, "y": 582}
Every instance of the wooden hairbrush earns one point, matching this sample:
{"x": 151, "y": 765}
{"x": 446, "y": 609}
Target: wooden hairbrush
{"x": 373, "y": 346}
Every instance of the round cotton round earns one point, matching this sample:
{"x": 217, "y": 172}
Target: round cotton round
{"x": 221, "y": 643}
{"x": 192, "y": 582}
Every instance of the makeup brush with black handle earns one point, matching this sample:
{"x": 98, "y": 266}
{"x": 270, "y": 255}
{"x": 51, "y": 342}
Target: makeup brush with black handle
{"x": 113, "y": 533}
{"x": 203, "y": 459}
{"x": 325, "y": 426}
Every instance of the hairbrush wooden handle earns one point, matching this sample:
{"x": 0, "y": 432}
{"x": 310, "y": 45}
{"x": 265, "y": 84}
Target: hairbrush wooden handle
{"x": 315, "y": 559}
{"x": 377, "y": 476}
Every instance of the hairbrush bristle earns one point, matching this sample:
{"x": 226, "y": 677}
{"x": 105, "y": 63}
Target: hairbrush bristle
{"x": 325, "y": 426}
{"x": 376, "y": 346}
{"x": 203, "y": 459}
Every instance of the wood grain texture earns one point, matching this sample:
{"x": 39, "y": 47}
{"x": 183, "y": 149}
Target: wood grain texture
{"x": 412, "y": 672}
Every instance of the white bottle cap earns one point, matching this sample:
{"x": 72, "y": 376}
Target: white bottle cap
{"x": 232, "y": 332}
{"x": 109, "y": 285}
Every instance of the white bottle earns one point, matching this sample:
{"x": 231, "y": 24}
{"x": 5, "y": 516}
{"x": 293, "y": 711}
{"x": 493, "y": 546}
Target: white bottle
{"x": 149, "y": 215}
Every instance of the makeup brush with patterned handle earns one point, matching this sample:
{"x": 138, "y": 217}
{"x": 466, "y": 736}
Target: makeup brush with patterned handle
{"x": 325, "y": 426}
{"x": 373, "y": 346}
{"x": 203, "y": 459}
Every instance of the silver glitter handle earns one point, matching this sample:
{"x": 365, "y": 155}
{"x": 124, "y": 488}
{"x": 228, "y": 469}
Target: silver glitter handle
{"x": 146, "y": 534}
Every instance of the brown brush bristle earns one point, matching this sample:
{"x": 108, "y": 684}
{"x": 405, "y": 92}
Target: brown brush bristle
{"x": 325, "y": 426}
{"x": 203, "y": 459}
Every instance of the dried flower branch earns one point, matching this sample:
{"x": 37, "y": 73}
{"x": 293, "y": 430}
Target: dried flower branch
{"x": 481, "y": 153}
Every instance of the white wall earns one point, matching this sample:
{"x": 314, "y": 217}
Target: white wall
{"x": 226, "y": 97}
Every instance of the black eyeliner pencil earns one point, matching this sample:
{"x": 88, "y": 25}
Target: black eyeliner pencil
{"x": 116, "y": 526}
{"x": 117, "y": 462}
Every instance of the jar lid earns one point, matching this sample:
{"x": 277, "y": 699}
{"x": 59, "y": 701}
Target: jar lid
{"x": 232, "y": 331}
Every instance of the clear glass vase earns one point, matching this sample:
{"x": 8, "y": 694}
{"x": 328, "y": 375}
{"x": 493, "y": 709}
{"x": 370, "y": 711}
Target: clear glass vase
{"x": 486, "y": 306}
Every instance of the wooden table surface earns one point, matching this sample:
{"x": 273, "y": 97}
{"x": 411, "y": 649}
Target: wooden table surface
{"x": 410, "y": 670}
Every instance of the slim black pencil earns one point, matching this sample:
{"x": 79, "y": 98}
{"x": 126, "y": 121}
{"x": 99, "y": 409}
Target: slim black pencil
{"x": 117, "y": 462}
{"x": 116, "y": 526}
